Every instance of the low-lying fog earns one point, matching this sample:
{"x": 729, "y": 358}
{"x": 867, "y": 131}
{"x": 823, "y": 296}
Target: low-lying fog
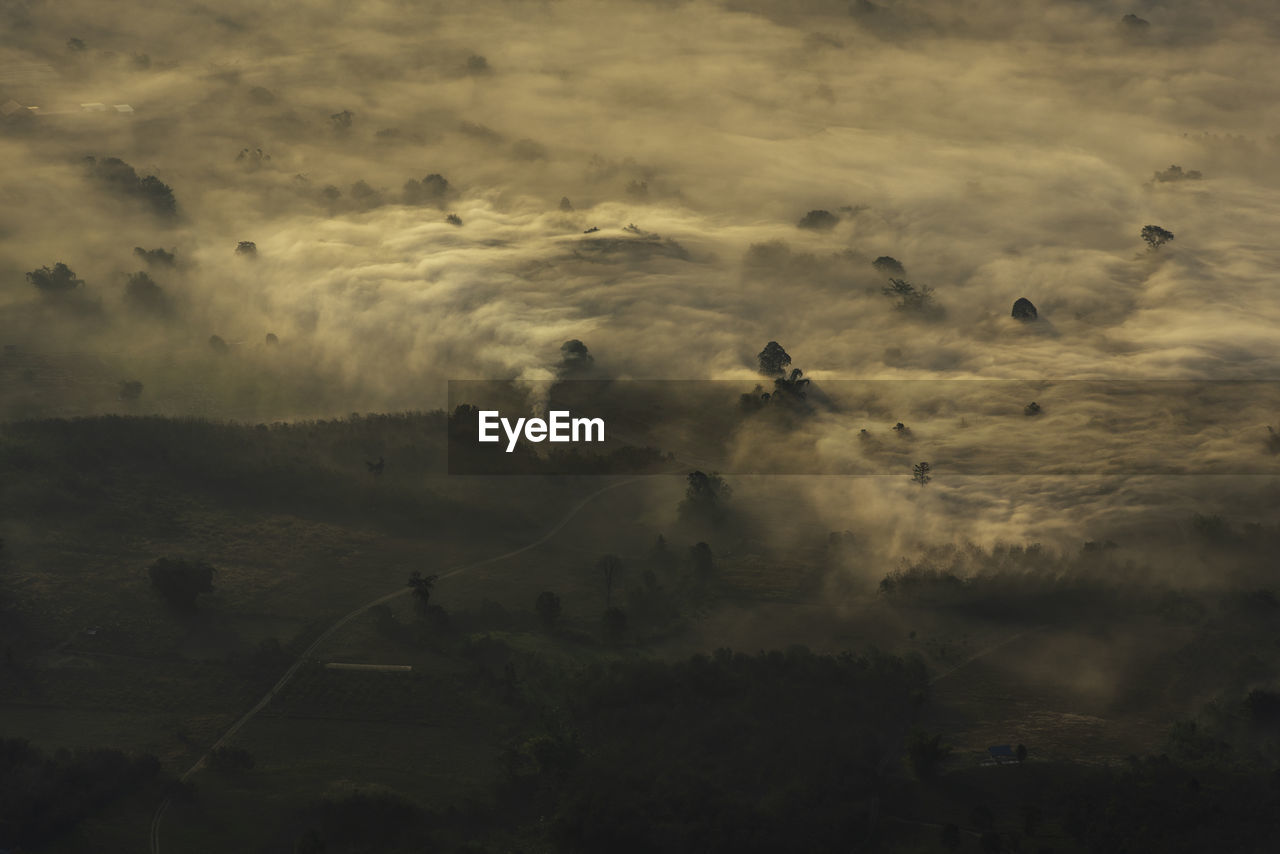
{"x": 995, "y": 152}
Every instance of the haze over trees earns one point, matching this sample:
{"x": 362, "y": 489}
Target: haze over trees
{"x": 890, "y": 265}
{"x": 143, "y": 294}
{"x": 1176, "y": 173}
{"x": 1120, "y": 623}
{"x": 434, "y": 189}
{"x": 575, "y": 359}
{"x": 773, "y": 360}
{"x": 1155, "y": 236}
{"x": 704, "y": 498}
{"x": 155, "y": 257}
{"x": 121, "y": 178}
{"x": 57, "y": 279}
{"x": 909, "y": 298}
{"x": 818, "y": 220}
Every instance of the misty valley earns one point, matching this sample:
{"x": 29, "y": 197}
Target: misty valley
{"x": 639, "y": 426}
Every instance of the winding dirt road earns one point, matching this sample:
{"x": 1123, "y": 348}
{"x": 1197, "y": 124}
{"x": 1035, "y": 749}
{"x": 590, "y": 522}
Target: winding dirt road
{"x": 302, "y": 659}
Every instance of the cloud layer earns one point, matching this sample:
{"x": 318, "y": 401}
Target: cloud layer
{"x": 996, "y": 152}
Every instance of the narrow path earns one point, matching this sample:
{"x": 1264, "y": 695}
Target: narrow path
{"x": 329, "y": 632}
{"x": 944, "y": 674}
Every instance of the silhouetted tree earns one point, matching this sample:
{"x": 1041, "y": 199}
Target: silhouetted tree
{"x": 1175, "y": 173}
{"x": 703, "y": 497}
{"x": 791, "y": 387}
{"x": 608, "y": 567}
{"x": 421, "y": 586}
{"x": 1155, "y": 236}
{"x": 180, "y": 581}
{"x": 565, "y": 204}
{"x": 548, "y": 608}
{"x": 908, "y": 297}
{"x": 477, "y": 64}
{"x": 773, "y": 359}
{"x": 453, "y": 219}
{"x": 889, "y": 264}
{"x": 574, "y": 358}
{"x": 1024, "y": 309}
{"x": 434, "y": 189}
{"x": 155, "y": 257}
{"x": 218, "y": 345}
{"x": 247, "y": 248}
{"x": 342, "y": 121}
{"x": 1134, "y": 28}
{"x": 818, "y": 220}
{"x": 1032, "y": 409}
{"x": 121, "y": 177}
{"x": 57, "y": 279}
{"x": 925, "y": 754}
{"x": 130, "y": 389}
{"x": 143, "y": 294}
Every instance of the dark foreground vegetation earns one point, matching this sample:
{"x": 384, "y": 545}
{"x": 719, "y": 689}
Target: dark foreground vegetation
{"x": 44, "y": 796}
{"x": 158, "y": 576}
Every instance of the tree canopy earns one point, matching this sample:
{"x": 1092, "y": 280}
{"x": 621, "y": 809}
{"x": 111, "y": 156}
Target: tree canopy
{"x": 818, "y": 220}
{"x": 57, "y": 279}
{"x": 1155, "y": 236}
{"x": 773, "y": 359}
{"x": 119, "y": 176}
